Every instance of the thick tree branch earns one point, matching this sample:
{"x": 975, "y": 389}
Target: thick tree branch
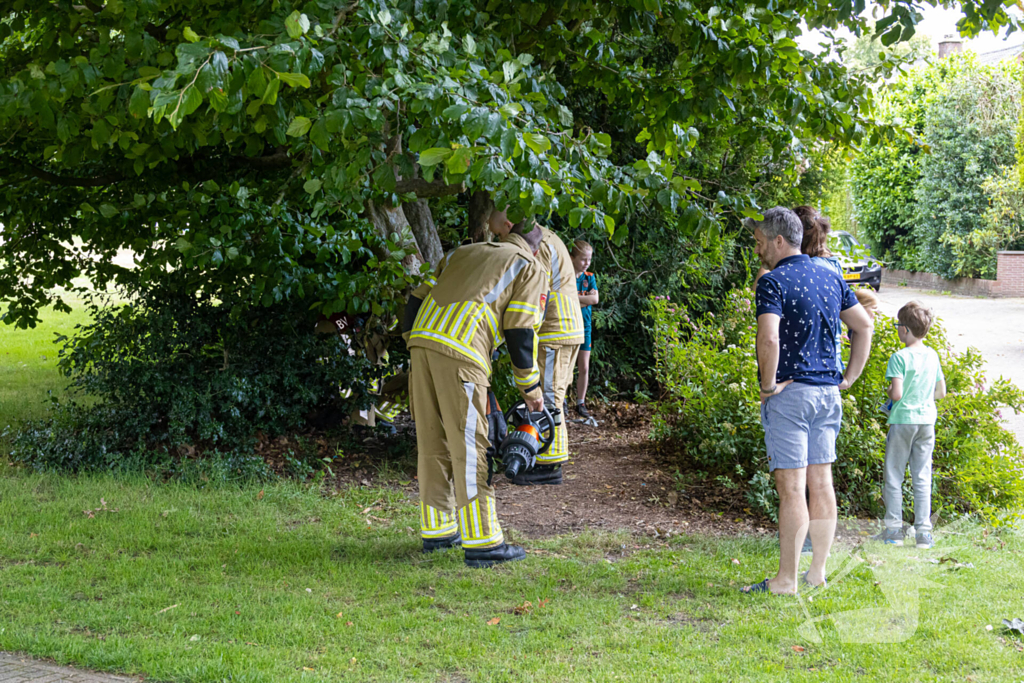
{"x": 96, "y": 181}
{"x": 427, "y": 190}
{"x": 278, "y": 159}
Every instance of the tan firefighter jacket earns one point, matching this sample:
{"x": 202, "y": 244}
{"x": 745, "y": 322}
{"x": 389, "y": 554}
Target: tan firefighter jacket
{"x": 479, "y": 296}
{"x": 563, "y": 320}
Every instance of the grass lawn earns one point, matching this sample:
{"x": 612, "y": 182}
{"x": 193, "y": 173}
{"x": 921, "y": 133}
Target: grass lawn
{"x": 284, "y": 584}
{"x": 28, "y": 364}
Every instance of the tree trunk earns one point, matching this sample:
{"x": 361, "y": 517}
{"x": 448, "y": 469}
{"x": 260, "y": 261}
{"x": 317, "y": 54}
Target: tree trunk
{"x": 390, "y": 223}
{"x": 421, "y": 221}
{"x": 480, "y": 205}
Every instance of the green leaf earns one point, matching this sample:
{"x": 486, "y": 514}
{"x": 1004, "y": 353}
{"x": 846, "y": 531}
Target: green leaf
{"x": 108, "y": 210}
{"x": 295, "y": 80}
{"x": 384, "y": 177}
{"x": 270, "y": 96}
{"x": 190, "y": 35}
{"x": 576, "y": 217}
{"x": 538, "y": 142}
{"x": 319, "y": 135}
{"x": 434, "y": 156}
{"x": 312, "y": 186}
{"x": 564, "y": 115}
{"x": 508, "y": 143}
{"x": 511, "y": 109}
{"x": 455, "y": 111}
{"x": 190, "y": 101}
{"x": 470, "y": 44}
{"x": 257, "y": 82}
{"x": 299, "y": 126}
{"x": 458, "y": 163}
{"x": 509, "y": 69}
{"x": 296, "y": 24}
{"x": 138, "y": 106}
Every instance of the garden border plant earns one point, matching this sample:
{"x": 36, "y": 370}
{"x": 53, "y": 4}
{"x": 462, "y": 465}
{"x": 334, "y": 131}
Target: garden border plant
{"x": 708, "y": 417}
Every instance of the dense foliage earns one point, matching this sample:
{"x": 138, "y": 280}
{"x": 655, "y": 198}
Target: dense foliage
{"x": 358, "y": 114}
{"x": 709, "y": 417}
{"x": 168, "y": 373}
{"x": 921, "y": 199}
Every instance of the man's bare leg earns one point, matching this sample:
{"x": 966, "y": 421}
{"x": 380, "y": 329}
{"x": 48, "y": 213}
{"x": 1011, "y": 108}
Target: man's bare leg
{"x": 822, "y": 513}
{"x": 791, "y": 485}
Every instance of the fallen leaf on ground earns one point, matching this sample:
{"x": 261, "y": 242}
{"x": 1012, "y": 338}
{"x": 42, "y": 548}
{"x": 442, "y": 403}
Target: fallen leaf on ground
{"x": 259, "y": 496}
{"x": 339, "y": 615}
{"x": 523, "y": 608}
{"x": 735, "y": 561}
{"x": 348, "y": 623}
{"x": 494, "y": 622}
{"x": 797, "y": 648}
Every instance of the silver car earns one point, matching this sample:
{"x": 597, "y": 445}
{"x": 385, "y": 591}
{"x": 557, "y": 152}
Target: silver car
{"x": 859, "y": 267}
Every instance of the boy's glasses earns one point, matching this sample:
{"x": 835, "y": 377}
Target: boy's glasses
{"x": 898, "y": 325}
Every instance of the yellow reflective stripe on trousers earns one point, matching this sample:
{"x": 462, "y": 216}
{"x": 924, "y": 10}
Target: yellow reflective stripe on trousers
{"x": 480, "y": 528}
{"x": 436, "y": 524}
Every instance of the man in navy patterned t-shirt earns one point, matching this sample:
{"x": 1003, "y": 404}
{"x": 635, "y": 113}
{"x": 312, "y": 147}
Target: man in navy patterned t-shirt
{"x": 799, "y": 308}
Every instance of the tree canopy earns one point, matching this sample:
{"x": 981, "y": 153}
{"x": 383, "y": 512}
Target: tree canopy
{"x": 299, "y": 150}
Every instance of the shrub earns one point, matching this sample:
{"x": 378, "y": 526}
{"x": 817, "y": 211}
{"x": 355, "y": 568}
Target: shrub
{"x": 708, "y": 416}
{"x": 177, "y": 373}
{"x": 970, "y": 127}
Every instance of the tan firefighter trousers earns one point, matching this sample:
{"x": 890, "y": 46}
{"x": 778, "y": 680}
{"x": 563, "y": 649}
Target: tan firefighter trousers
{"x": 448, "y": 401}
{"x": 556, "y": 365}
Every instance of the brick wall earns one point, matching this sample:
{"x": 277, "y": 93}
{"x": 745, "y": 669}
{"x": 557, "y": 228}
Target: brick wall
{"x": 1009, "y": 280}
{"x": 1009, "y": 274}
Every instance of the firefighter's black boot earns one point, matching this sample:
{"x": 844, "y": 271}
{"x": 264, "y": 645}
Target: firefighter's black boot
{"x": 541, "y": 474}
{"x": 493, "y": 556}
{"x": 445, "y": 543}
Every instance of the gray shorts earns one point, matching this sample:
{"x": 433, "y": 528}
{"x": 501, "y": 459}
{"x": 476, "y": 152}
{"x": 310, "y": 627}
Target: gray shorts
{"x": 801, "y": 424}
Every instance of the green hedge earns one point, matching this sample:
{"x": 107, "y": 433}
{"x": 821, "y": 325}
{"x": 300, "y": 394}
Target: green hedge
{"x": 709, "y": 419}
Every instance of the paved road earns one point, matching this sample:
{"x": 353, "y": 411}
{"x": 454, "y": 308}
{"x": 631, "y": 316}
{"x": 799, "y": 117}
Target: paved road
{"x": 993, "y": 326}
{"x": 18, "y": 669}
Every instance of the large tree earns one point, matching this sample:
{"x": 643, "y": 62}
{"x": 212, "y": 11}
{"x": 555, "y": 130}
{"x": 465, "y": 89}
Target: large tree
{"x": 296, "y": 150}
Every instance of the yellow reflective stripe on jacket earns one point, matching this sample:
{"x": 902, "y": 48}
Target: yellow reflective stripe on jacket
{"x": 523, "y": 306}
{"x": 529, "y": 380}
{"x": 567, "y": 325}
{"x": 453, "y": 325}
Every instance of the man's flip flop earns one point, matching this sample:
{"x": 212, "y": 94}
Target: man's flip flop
{"x": 757, "y": 588}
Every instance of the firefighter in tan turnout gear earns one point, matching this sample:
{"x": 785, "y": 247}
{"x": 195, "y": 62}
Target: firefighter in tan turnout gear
{"x": 561, "y": 334}
{"x": 480, "y": 295}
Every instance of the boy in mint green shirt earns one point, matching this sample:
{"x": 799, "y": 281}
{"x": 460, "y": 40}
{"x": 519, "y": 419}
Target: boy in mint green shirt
{"x": 915, "y": 383}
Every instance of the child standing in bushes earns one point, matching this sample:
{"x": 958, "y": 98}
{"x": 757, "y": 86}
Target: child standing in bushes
{"x": 586, "y": 288}
{"x": 915, "y": 383}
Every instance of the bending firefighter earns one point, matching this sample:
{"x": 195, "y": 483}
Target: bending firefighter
{"x": 482, "y": 294}
{"x": 561, "y": 334}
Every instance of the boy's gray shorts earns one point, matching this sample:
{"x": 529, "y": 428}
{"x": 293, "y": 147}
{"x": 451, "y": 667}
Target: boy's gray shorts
{"x": 801, "y": 424}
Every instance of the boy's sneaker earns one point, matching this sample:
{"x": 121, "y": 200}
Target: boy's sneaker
{"x": 890, "y": 537}
{"x": 582, "y": 411}
{"x": 925, "y": 540}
